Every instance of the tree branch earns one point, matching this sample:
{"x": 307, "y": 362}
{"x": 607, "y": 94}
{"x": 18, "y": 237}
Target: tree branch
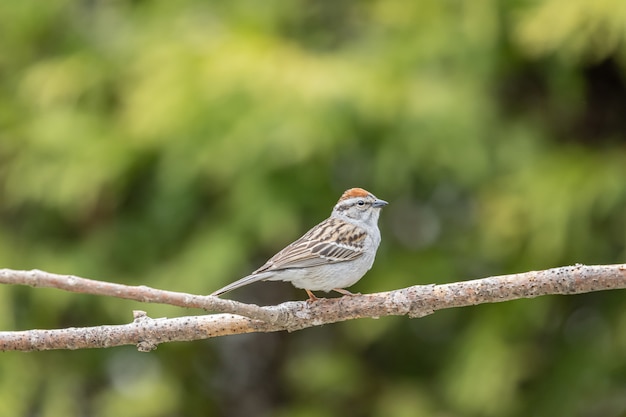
{"x": 416, "y": 301}
{"x": 141, "y": 293}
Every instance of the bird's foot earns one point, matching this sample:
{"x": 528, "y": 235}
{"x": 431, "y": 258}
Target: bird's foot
{"x": 312, "y": 297}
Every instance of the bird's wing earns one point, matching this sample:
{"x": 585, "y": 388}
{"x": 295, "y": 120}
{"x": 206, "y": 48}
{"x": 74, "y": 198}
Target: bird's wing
{"x": 333, "y": 240}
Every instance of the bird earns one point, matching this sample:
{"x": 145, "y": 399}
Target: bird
{"x": 333, "y": 255}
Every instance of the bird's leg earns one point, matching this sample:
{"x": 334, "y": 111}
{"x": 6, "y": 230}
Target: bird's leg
{"x": 312, "y": 296}
{"x": 345, "y": 292}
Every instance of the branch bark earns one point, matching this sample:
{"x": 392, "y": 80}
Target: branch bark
{"x": 236, "y": 318}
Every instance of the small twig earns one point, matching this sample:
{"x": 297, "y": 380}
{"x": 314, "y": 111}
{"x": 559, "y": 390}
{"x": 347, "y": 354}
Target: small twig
{"x": 416, "y": 301}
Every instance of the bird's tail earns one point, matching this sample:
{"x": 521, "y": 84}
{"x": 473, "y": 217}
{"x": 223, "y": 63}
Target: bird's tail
{"x": 240, "y": 283}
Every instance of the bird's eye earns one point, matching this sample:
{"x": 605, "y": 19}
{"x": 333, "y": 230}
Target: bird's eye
{"x": 360, "y": 202}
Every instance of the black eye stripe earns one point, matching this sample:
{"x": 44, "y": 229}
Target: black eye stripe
{"x": 346, "y": 205}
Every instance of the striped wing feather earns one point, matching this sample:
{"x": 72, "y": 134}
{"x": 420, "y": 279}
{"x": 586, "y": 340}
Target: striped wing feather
{"x": 331, "y": 241}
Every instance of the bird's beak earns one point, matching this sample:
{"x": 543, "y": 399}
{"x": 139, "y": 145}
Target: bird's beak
{"x": 379, "y": 203}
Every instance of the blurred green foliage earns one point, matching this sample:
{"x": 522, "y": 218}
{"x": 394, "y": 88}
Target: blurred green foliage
{"x": 180, "y": 144}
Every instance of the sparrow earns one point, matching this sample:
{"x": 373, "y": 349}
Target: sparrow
{"x": 331, "y": 256}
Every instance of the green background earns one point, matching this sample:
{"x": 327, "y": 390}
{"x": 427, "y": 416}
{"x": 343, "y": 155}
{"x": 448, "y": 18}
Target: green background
{"x": 181, "y": 144}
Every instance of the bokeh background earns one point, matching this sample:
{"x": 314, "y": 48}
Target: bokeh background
{"x": 180, "y": 144}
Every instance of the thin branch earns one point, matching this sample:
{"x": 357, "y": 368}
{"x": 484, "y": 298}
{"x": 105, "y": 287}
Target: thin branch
{"x": 36, "y": 278}
{"x": 416, "y": 301}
